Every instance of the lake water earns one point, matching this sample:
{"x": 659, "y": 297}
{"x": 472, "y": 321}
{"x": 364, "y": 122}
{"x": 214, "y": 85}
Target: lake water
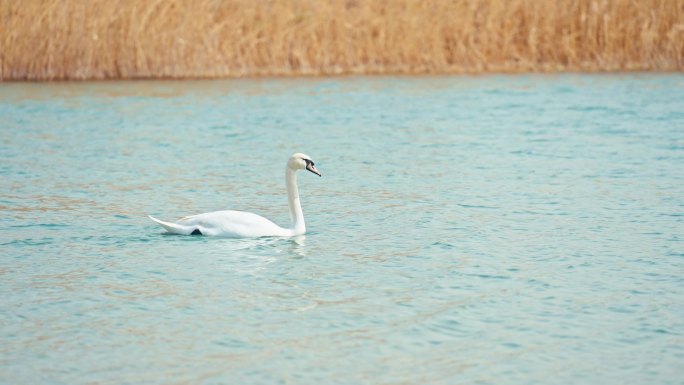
{"x": 466, "y": 230}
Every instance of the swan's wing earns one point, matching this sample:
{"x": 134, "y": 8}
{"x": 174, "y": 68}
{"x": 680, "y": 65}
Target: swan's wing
{"x": 228, "y": 223}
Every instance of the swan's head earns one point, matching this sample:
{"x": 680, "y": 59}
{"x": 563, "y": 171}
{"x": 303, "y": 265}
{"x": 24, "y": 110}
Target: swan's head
{"x": 301, "y": 161}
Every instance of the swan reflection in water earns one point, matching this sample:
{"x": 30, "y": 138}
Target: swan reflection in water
{"x": 298, "y": 245}
{"x": 275, "y": 247}
{"x": 249, "y": 256}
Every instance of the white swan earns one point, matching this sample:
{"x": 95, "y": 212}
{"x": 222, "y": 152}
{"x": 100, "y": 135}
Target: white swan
{"x": 240, "y": 224}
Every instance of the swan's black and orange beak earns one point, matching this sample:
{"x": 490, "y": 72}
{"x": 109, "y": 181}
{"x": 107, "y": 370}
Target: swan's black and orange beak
{"x": 310, "y": 167}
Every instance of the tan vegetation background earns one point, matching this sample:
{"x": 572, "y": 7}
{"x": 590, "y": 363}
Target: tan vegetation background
{"x": 114, "y": 39}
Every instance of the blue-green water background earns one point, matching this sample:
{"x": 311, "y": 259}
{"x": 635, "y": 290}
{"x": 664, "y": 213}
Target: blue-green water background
{"x": 470, "y": 230}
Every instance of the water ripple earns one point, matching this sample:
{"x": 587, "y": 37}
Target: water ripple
{"x": 529, "y": 225}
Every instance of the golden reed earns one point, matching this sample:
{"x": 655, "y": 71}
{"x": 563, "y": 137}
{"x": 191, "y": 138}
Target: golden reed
{"x": 117, "y": 39}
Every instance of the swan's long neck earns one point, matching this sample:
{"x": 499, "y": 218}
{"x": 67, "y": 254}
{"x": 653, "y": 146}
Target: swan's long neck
{"x": 296, "y": 214}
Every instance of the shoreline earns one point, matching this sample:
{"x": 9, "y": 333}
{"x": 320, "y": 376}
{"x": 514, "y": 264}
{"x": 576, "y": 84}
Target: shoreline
{"x": 655, "y": 72}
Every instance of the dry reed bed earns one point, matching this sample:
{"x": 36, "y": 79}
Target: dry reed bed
{"x": 114, "y": 39}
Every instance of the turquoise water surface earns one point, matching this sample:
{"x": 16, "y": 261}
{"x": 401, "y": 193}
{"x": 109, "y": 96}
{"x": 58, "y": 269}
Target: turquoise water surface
{"x": 466, "y": 230}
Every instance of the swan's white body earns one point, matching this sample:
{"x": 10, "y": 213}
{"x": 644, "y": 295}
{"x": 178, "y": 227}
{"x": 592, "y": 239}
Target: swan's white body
{"x": 241, "y": 224}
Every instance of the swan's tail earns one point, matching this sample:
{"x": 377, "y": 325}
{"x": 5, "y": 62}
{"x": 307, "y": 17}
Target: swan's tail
{"x": 173, "y": 227}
